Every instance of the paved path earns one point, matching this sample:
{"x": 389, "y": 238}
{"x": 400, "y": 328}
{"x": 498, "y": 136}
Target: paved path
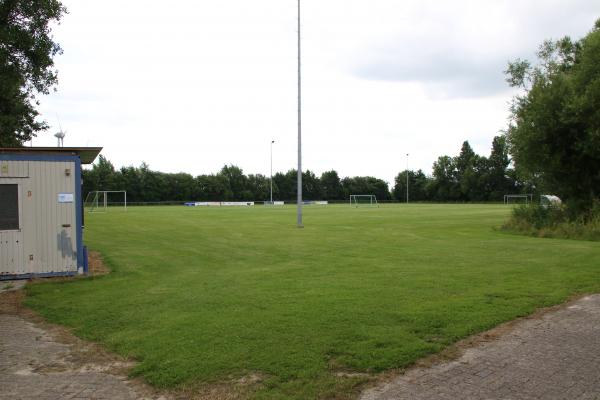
{"x": 555, "y": 356}
{"x": 43, "y": 363}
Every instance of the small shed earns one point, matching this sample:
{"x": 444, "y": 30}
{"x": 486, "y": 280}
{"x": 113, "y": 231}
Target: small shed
{"x": 41, "y": 211}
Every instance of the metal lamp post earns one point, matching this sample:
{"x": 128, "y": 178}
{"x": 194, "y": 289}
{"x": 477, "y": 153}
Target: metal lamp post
{"x": 299, "y": 200}
{"x": 272, "y": 141}
{"x": 406, "y": 178}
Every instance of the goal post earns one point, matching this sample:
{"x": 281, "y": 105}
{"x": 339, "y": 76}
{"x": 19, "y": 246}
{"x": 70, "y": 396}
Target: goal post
{"x": 369, "y": 200}
{"x": 101, "y": 200}
{"x": 518, "y": 198}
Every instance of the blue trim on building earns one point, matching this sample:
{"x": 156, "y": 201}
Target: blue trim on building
{"x": 78, "y": 211}
{"x": 37, "y": 157}
{"x": 36, "y": 275}
{"x": 86, "y": 265}
{"x": 78, "y": 216}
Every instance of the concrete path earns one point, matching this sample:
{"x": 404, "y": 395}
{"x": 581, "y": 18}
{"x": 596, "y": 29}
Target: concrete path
{"x": 553, "y": 356}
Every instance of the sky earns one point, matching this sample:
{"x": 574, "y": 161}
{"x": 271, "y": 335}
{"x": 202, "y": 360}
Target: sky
{"x": 189, "y": 86}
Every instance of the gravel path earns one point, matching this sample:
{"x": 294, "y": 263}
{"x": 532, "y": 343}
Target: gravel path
{"x": 554, "y": 356}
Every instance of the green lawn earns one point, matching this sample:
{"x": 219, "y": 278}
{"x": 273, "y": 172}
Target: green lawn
{"x": 203, "y": 295}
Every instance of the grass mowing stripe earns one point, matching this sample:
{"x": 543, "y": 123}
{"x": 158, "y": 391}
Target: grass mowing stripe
{"x": 205, "y": 294}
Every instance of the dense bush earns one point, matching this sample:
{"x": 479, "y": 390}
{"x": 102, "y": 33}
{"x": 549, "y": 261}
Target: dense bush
{"x": 556, "y": 222}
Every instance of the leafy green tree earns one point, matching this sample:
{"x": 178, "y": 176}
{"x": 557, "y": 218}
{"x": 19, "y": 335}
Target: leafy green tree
{"x": 418, "y": 185}
{"x": 259, "y": 188}
{"x": 100, "y": 177}
{"x": 331, "y": 186}
{"x": 465, "y": 159}
{"x": 236, "y": 180}
{"x": 26, "y": 65}
{"x": 467, "y": 173}
{"x": 554, "y": 134}
{"x": 499, "y": 180}
{"x": 311, "y": 186}
{"x": 444, "y": 186}
{"x": 128, "y": 179}
{"x": 366, "y": 185}
{"x": 284, "y": 185}
{"x": 473, "y": 181}
{"x": 152, "y": 183}
{"x": 213, "y": 188}
{"x": 178, "y": 186}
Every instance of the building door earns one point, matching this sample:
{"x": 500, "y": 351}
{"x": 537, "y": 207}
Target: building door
{"x": 11, "y": 223}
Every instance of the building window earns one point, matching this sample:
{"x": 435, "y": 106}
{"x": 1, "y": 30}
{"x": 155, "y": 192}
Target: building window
{"x": 9, "y": 207}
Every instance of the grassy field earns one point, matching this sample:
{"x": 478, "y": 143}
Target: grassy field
{"x": 201, "y": 296}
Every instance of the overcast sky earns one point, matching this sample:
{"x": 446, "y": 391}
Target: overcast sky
{"x": 193, "y": 85}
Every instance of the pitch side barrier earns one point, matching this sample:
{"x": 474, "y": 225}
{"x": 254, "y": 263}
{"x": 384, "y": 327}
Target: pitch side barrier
{"x": 219, "y": 203}
{"x": 248, "y": 203}
{"x": 290, "y": 203}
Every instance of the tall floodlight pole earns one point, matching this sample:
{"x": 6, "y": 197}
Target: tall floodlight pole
{"x": 272, "y": 141}
{"x": 406, "y": 178}
{"x": 299, "y": 222}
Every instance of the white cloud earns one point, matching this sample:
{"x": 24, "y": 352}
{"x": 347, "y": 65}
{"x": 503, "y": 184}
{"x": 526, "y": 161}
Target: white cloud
{"x": 460, "y": 49}
{"x": 190, "y": 86}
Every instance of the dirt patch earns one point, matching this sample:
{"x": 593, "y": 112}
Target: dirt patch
{"x": 11, "y": 303}
{"x": 96, "y": 264}
{"x": 231, "y": 389}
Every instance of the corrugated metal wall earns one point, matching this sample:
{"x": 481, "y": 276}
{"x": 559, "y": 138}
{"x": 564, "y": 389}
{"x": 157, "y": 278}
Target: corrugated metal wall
{"x": 46, "y": 241}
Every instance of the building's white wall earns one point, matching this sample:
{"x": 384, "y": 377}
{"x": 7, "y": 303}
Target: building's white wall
{"x": 43, "y": 244}
{"x": 14, "y": 169}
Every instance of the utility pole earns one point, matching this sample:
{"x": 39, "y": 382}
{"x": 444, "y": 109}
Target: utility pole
{"x": 299, "y": 221}
{"x": 406, "y": 178}
{"x": 272, "y": 141}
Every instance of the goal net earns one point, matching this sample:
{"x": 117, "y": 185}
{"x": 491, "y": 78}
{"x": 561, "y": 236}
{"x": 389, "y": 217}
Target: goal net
{"x": 102, "y": 200}
{"x": 518, "y": 198}
{"x": 369, "y": 200}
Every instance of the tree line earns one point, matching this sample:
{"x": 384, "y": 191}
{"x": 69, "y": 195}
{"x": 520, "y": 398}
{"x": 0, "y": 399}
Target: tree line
{"x": 229, "y": 184}
{"x": 467, "y": 177}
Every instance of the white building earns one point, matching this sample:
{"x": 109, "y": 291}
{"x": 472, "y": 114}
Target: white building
{"x": 41, "y": 211}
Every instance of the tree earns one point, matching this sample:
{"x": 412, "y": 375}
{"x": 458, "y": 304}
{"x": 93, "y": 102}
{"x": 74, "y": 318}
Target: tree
{"x": 236, "y": 181}
{"x": 26, "y": 65}
{"x": 499, "y": 181}
{"x": 366, "y": 185}
{"x": 179, "y": 186}
{"x": 259, "y": 187}
{"x": 554, "y": 133}
{"x": 418, "y": 185}
{"x": 311, "y": 186}
{"x": 466, "y": 175}
{"x": 284, "y": 185}
{"x": 151, "y": 182}
{"x": 444, "y": 186}
{"x": 100, "y": 177}
{"x": 129, "y": 179}
{"x": 213, "y": 188}
{"x": 331, "y": 186}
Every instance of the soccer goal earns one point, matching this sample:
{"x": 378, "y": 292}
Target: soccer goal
{"x": 101, "y": 200}
{"x": 518, "y": 198}
{"x": 357, "y": 200}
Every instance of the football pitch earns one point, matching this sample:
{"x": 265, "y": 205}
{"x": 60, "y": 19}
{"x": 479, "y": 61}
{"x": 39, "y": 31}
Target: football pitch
{"x": 206, "y": 296}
